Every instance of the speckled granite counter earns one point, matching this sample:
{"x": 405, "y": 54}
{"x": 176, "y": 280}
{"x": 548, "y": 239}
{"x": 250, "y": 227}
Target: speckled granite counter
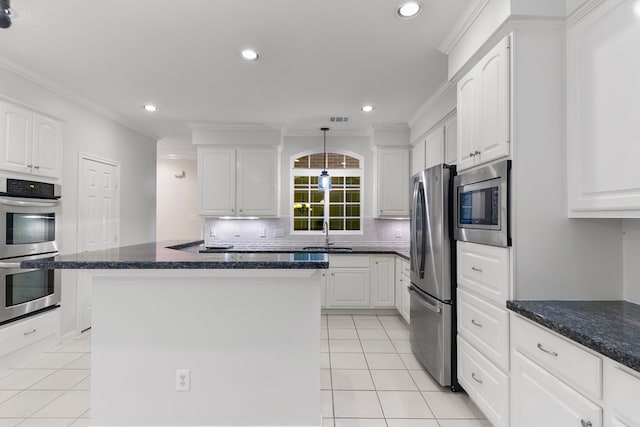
{"x": 612, "y": 328}
{"x": 171, "y": 255}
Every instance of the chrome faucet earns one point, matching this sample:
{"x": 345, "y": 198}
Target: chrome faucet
{"x": 326, "y": 233}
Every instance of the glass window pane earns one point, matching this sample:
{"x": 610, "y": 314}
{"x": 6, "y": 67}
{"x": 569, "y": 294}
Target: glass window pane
{"x": 317, "y": 196}
{"x": 337, "y": 181}
{"x": 316, "y": 161}
{"x": 301, "y": 162}
{"x": 352, "y": 224}
{"x": 352, "y": 180}
{"x": 317, "y": 210}
{"x": 352, "y": 196}
{"x": 351, "y": 162}
{"x": 336, "y": 197}
{"x": 336, "y": 210}
{"x": 301, "y": 181}
{"x": 300, "y": 196}
{"x": 336, "y": 224}
{"x": 300, "y": 224}
{"x": 313, "y": 181}
{"x": 316, "y": 224}
{"x": 352, "y": 210}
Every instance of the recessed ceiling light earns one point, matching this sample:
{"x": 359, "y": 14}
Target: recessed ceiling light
{"x": 249, "y": 55}
{"x": 409, "y": 9}
{"x": 151, "y": 108}
{"x": 367, "y": 108}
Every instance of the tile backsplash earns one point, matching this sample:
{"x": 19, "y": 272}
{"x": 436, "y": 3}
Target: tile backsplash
{"x": 278, "y": 231}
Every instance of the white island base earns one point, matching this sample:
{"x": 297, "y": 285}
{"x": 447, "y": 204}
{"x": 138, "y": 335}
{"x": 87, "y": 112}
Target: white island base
{"x": 249, "y": 338}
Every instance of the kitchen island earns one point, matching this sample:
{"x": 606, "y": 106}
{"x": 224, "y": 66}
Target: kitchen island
{"x": 240, "y": 332}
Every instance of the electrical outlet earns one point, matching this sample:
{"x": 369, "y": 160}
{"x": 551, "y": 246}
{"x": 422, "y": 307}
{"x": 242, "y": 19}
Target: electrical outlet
{"x": 212, "y": 232}
{"x": 398, "y": 233}
{"x": 263, "y": 232}
{"x": 183, "y": 380}
{"x": 236, "y": 232}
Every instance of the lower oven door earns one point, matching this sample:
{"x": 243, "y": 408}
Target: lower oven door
{"x": 430, "y": 324}
{"x": 27, "y": 290}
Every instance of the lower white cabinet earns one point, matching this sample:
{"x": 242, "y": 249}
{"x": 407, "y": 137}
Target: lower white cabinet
{"x": 539, "y": 398}
{"x": 383, "y": 281}
{"x": 20, "y": 338}
{"x": 621, "y": 391}
{"x": 348, "y": 287}
{"x": 403, "y": 281}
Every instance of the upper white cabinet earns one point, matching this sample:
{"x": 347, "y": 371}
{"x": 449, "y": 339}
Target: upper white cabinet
{"x": 438, "y": 146}
{"x": 602, "y": 112}
{"x": 30, "y": 143}
{"x": 237, "y": 182}
{"x": 393, "y": 182}
{"x": 484, "y": 109}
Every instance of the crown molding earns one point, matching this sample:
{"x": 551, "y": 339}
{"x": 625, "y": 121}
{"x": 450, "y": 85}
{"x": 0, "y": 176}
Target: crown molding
{"x": 331, "y": 132}
{"x": 582, "y": 11}
{"x": 71, "y": 96}
{"x": 389, "y": 126}
{"x": 177, "y": 155}
{"x": 471, "y": 12}
{"x": 235, "y": 126}
{"x": 431, "y": 102}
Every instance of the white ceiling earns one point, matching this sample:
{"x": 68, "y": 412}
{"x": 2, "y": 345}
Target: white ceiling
{"x": 318, "y": 58}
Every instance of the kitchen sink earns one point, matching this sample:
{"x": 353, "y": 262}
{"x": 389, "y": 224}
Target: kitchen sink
{"x": 327, "y": 249}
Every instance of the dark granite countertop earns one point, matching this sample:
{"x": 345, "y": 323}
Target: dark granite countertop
{"x": 611, "y": 328}
{"x": 172, "y": 255}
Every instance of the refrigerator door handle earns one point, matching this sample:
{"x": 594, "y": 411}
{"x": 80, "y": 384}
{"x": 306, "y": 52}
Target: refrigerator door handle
{"x": 423, "y": 302}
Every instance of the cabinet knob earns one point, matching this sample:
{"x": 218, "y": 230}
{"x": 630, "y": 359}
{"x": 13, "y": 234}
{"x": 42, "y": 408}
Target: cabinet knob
{"x": 476, "y": 153}
{"x": 471, "y": 154}
{"x": 29, "y": 166}
{"x": 586, "y": 423}
{"x": 233, "y": 210}
{"x": 36, "y": 167}
{"x": 240, "y": 210}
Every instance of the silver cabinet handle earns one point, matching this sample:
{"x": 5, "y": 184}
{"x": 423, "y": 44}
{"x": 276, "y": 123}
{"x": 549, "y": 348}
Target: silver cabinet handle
{"x": 476, "y": 379}
{"x": 476, "y": 153}
{"x": 29, "y": 166}
{"x": 472, "y": 154}
{"x": 541, "y": 348}
{"x": 478, "y": 324}
{"x": 36, "y": 167}
{"x": 479, "y": 270}
{"x": 30, "y": 332}
{"x": 586, "y": 423}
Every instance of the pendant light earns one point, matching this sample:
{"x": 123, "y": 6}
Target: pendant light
{"x": 324, "y": 180}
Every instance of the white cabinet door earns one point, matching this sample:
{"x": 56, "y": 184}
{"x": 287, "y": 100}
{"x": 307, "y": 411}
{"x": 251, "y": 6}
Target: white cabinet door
{"x": 484, "y": 270}
{"x": 383, "y": 281}
{"x": 323, "y": 289}
{"x": 349, "y": 287}
{"x": 16, "y": 138}
{"x": 493, "y": 77}
{"x": 405, "y": 303}
{"x": 435, "y": 147}
{"x": 451, "y": 141}
{"x": 217, "y": 181}
{"x": 257, "y": 183}
{"x": 47, "y": 146}
{"x": 621, "y": 391}
{"x": 393, "y": 182}
{"x": 540, "y": 399}
{"x": 418, "y": 156}
{"x": 467, "y": 111}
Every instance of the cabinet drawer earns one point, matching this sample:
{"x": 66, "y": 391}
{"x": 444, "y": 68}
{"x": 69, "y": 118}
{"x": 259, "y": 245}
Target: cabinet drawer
{"x": 405, "y": 268}
{"x": 576, "y": 366}
{"x": 485, "y": 326}
{"x": 484, "y": 270}
{"x": 348, "y": 261}
{"x": 487, "y": 386}
{"x": 621, "y": 391}
{"x": 15, "y": 336}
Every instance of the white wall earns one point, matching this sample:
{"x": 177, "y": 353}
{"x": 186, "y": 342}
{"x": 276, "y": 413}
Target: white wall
{"x": 177, "y": 200}
{"x": 631, "y": 251}
{"x": 90, "y": 132}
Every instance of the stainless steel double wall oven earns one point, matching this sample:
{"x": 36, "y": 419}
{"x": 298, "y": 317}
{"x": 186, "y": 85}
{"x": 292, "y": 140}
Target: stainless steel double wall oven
{"x": 29, "y": 214}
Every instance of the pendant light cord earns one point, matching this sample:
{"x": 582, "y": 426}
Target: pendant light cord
{"x": 324, "y": 146}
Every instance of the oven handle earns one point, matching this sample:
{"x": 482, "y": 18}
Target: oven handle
{"x": 13, "y": 265}
{"x": 29, "y": 204}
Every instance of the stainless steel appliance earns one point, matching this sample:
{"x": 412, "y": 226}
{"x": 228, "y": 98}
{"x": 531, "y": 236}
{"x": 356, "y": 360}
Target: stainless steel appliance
{"x": 29, "y": 211}
{"x": 482, "y": 205}
{"x": 432, "y": 312}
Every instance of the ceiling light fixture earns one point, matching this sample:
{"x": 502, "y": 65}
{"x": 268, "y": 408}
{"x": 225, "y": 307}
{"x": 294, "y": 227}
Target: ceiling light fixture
{"x": 409, "y": 9}
{"x": 249, "y": 55}
{"x": 151, "y": 108}
{"x": 5, "y": 13}
{"x": 367, "y": 108}
{"x": 324, "y": 180}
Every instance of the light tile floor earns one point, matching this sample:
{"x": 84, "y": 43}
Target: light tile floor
{"x": 369, "y": 378}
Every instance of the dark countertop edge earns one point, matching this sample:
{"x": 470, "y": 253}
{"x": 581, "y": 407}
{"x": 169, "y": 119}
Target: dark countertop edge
{"x": 629, "y": 360}
{"x": 177, "y": 265}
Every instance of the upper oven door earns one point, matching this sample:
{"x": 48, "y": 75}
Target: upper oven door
{"x": 27, "y": 226}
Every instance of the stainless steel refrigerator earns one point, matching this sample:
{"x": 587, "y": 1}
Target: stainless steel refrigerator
{"x": 432, "y": 314}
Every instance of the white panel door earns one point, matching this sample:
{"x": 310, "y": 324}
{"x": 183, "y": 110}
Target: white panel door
{"x": 467, "y": 120}
{"x": 393, "y": 182}
{"x": 98, "y": 220}
{"x": 15, "y": 138}
{"x": 383, "y": 281}
{"x": 257, "y": 179}
{"x": 47, "y": 146}
{"x": 349, "y": 287}
{"x": 217, "y": 181}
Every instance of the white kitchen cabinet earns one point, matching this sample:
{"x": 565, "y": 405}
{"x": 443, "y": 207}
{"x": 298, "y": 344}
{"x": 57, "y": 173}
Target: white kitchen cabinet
{"x": 621, "y": 391}
{"x": 392, "y": 182}
{"x": 323, "y": 289}
{"x": 237, "y": 182}
{"x": 438, "y": 146}
{"x": 30, "y": 143}
{"x": 451, "y": 140}
{"x": 434, "y": 147}
{"x": 602, "y": 112}
{"x": 418, "y": 156}
{"x": 483, "y": 109}
{"x": 348, "y": 287}
{"x": 403, "y": 281}
{"x": 484, "y": 270}
{"x": 541, "y": 399}
{"x": 383, "y": 281}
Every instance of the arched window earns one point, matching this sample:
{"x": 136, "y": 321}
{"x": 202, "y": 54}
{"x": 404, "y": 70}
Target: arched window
{"x": 341, "y": 207}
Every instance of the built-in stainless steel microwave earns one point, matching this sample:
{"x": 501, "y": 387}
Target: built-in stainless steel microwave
{"x": 481, "y": 213}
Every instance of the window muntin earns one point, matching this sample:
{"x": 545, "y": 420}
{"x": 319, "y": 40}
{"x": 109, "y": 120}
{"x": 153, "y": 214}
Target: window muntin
{"x": 342, "y": 209}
